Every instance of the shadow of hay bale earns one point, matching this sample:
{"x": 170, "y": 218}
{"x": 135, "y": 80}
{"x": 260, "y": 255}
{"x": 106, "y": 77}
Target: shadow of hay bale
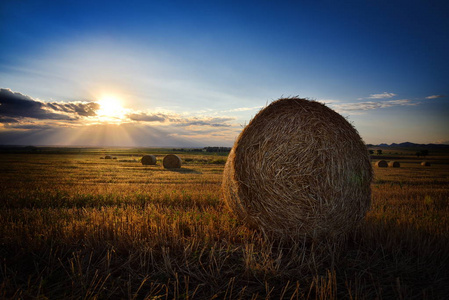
{"x": 184, "y": 171}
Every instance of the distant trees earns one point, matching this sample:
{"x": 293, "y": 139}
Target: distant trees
{"x": 217, "y": 149}
{"x": 422, "y": 153}
{"x": 371, "y": 151}
{"x": 205, "y": 149}
{"x": 379, "y": 151}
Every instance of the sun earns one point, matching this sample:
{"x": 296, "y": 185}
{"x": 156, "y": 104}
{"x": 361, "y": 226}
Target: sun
{"x": 111, "y": 109}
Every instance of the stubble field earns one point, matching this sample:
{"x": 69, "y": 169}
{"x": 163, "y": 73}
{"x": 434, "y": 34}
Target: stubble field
{"x": 74, "y": 226}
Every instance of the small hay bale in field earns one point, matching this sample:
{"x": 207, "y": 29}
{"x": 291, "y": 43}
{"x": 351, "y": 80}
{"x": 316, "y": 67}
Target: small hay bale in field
{"x": 382, "y": 164}
{"x": 172, "y": 161}
{"x": 394, "y": 164}
{"x": 108, "y": 157}
{"x": 298, "y": 168}
{"x": 148, "y": 160}
{"x": 102, "y": 157}
{"x": 425, "y": 164}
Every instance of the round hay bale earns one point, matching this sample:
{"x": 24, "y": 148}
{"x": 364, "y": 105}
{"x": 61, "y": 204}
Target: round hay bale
{"x": 108, "y": 157}
{"x": 172, "y": 161}
{"x": 394, "y": 164}
{"x": 148, "y": 160}
{"x": 382, "y": 164}
{"x": 298, "y": 168}
{"x": 425, "y": 164}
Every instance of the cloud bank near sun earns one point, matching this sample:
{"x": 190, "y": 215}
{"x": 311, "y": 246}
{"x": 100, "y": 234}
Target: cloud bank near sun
{"x": 18, "y": 108}
{"x": 22, "y": 115}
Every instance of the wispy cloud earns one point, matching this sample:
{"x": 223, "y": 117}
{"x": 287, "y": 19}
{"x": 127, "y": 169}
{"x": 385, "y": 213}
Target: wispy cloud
{"x": 360, "y": 107}
{"x": 177, "y": 120}
{"x": 242, "y": 109}
{"x": 213, "y": 122}
{"x": 435, "y": 96}
{"x": 147, "y": 117}
{"x": 384, "y": 95}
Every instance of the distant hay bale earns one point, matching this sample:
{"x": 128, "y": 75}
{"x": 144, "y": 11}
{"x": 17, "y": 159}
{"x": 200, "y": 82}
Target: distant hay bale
{"x": 102, "y": 157}
{"x": 148, "y": 160}
{"x": 394, "y": 164}
{"x": 108, "y": 157}
{"x": 171, "y": 161}
{"x": 382, "y": 164}
{"x": 425, "y": 164}
{"x": 298, "y": 168}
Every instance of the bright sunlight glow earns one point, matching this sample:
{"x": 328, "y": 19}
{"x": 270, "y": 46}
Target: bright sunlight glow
{"x": 111, "y": 109}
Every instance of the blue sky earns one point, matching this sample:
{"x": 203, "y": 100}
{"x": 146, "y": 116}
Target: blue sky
{"x": 192, "y": 73}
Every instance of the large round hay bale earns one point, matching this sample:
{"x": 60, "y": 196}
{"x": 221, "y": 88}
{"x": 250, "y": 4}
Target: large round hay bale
{"x": 394, "y": 164}
{"x": 298, "y": 168}
{"x": 425, "y": 164}
{"x": 148, "y": 160}
{"x": 108, "y": 157}
{"x": 172, "y": 161}
{"x": 382, "y": 164}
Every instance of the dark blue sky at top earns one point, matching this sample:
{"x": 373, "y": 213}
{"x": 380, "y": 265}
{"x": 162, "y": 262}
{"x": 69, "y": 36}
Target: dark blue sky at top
{"x": 329, "y": 49}
{"x": 376, "y": 41}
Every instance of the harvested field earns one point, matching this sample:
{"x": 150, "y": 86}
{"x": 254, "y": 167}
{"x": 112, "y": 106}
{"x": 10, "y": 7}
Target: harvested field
{"x": 73, "y": 226}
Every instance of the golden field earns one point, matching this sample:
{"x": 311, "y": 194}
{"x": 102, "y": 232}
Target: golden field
{"x": 74, "y": 226}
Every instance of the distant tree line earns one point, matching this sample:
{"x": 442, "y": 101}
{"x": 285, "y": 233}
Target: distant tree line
{"x": 187, "y": 149}
{"x": 379, "y": 151}
{"x": 205, "y": 149}
{"x": 422, "y": 153}
{"x": 217, "y": 149}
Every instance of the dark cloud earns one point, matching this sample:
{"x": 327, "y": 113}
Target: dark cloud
{"x": 13, "y": 104}
{"x": 80, "y": 108}
{"x": 29, "y": 126}
{"x": 18, "y": 105}
{"x": 147, "y": 117}
{"x": 8, "y": 120}
{"x": 436, "y": 96}
{"x": 177, "y": 121}
{"x": 213, "y": 122}
{"x": 202, "y": 123}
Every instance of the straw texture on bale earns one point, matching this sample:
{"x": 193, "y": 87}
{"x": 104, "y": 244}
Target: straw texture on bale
{"x": 298, "y": 169}
{"x": 108, "y": 157}
{"x": 172, "y": 161}
{"x": 148, "y": 160}
{"x": 425, "y": 164}
{"x": 382, "y": 164}
{"x": 394, "y": 164}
